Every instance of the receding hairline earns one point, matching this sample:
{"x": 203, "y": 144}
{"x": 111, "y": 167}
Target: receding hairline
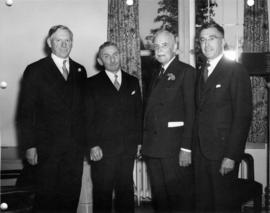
{"x": 167, "y": 33}
{"x": 55, "y": 28}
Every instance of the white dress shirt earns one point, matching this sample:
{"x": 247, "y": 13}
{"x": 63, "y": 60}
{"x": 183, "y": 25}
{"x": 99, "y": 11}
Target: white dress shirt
{"x": 111, "y": 76}
{"x": 213, "y": 63}
{"x": 166, "y": 65}
{"x": 59, "y": 62}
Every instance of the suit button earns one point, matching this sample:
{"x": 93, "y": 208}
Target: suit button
{"x": 155, "y": 132}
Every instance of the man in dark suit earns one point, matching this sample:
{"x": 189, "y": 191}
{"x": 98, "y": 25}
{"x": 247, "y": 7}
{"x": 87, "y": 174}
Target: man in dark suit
{"x": 224, "y": 108}
{"x": 51, "y": 123}
{"x": 168, "y": 123}
{"x": 114, "y": 122}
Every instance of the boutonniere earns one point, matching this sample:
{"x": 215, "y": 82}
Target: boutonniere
{"x": 170, "y": 77}
{"x": 79, "y": 69}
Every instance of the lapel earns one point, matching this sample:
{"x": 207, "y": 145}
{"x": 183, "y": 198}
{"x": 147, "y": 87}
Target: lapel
{"x": 159, "y": 82}
{"x": 213, "y": 79}
{"x": 109, "y": 84}
{"x": 162, "y": 83}
{"x": 55, "y": 80}
{"x": 124, "y": 84}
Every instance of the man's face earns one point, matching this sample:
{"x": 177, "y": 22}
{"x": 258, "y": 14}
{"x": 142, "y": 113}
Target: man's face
{"x": 110, "y": 58}
{"x": 60, "y": 43}
{"x": 165, "y": 47}
{"x": 212, "y": 43}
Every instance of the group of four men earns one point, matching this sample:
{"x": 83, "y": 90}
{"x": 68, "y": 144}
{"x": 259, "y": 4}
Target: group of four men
{"x": 192, "y": 131}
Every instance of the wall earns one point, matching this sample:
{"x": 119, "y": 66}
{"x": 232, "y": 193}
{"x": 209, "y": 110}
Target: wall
{"x": 24, "y": 27}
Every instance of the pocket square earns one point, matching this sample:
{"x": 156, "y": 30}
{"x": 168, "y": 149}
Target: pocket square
{"x": 133, "y": 92}
{"x": 218, "y": 85}
{"x": 175, "y": 124}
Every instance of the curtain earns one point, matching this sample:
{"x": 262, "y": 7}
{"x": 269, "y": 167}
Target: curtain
{"x": 123, "y": 29}
{"x": 256, "y": 39}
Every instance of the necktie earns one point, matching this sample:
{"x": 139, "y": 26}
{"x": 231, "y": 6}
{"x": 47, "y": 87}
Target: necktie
{"x": 205, "y": 71}
{"x": 116, "y": 83}
{"x": 161, "y": 72}
{"x": 65, "y": 70}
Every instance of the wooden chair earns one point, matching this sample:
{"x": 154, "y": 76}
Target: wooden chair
{"x": 247, "y": 189}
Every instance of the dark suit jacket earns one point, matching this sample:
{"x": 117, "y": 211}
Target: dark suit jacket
{"x": 170, "y": 100}
{"x": 113, "y": 118}
{"x": 50, "y": 109}
{"x": 224, "y": 109}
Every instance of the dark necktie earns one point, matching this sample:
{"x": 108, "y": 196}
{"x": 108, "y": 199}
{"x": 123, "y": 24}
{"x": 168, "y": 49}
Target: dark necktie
{"x": 205, "y": 71}
{"x": 65, "y": 70}
{"x": 160, "y": 74}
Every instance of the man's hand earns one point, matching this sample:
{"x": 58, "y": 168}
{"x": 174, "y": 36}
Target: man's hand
{"x": 184, "y": 158}
{"x": 96, "y": 153}
{"x": 31, "y": 156}
{"x": 227, "y": 166}
{"x": 139, "y": 154}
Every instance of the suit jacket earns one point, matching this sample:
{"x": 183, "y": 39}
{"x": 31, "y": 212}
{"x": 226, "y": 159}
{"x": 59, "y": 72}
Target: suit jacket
{"x": 171, "y": 100}
{"x": 50, "y": 108}
{"x": 113, "y": 118}
{"x": 224, "y": 109}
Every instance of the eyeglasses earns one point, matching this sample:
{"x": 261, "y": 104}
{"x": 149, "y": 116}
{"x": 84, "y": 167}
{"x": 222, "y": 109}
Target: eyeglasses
{"x": 210, "y": 39}
{"x": 163, "y": 46}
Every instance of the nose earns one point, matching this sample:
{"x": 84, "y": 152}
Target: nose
{"x": 112, "y": 59}
{"x": 63, "y": 44}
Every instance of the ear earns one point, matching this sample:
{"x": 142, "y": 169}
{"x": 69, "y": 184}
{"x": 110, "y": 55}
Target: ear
{"x": 175, "y": 48}
{"x": 223, "y": 43}
{"x": 49, "y": 42}
{"x": 100, "y": 61}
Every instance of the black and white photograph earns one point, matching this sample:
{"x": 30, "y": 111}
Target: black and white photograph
{"x": 135, "y": 106}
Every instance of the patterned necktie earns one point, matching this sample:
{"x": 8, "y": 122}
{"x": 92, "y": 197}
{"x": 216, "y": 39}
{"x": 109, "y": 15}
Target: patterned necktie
{"x": 116, "y": 83}
{"x": 65, "y": 70}
{"x": 205, "y": 71}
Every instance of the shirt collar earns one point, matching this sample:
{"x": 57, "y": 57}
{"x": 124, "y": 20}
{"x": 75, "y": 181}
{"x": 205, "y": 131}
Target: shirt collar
{"x": 167, "y": 65}
{"x": 213, "y": 62}
{"x": 111, "y": 75}
{"x": 59, "y": 61}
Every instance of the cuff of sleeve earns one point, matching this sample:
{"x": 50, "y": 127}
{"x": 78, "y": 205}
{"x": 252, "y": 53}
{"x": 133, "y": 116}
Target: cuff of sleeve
{"x": 186, "y": 150}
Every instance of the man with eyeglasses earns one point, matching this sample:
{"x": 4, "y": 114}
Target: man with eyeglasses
{"x": 168, "y": 124}
{"x": 223, "y": 117}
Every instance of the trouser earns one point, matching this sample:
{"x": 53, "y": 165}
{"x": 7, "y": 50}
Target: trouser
{"x": 113, "y": 174}
{"x": 171, "y": 185}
